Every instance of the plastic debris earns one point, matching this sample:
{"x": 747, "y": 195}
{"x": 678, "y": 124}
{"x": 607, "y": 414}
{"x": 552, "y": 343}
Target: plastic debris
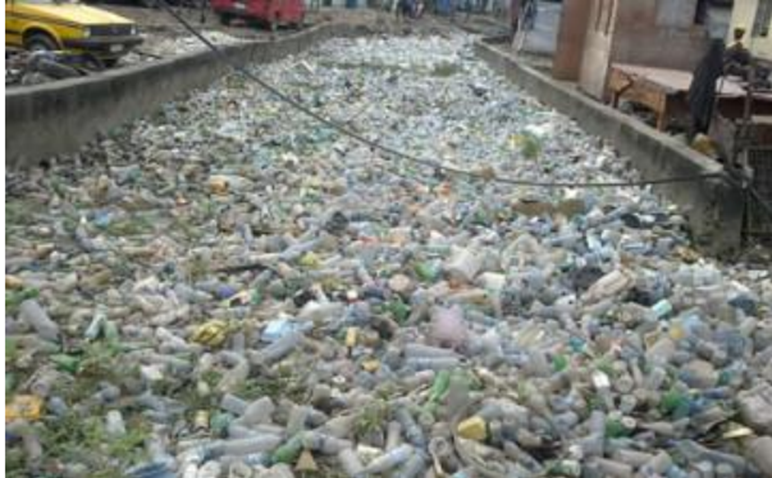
{"x": 24, "y": 407}
{"x": 229, "y": 288}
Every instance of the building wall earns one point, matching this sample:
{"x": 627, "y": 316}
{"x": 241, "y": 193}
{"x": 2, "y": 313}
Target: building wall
{"x": 743, "y": 14}
{"x": 662, "y": 48}
{"x": 567, "y": 62}
{"x": 657, "y": 33}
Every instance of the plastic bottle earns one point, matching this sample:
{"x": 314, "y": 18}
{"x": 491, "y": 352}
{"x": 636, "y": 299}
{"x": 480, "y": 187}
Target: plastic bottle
{"x": 705, "y": 469}
{"x": 415, "y": 466}
{"x": 761, "y": 454}
{"x": 297, "y": 419}
{"x": 324, "y": 444}
{"x": 233, "y": 404}
{"x": 57, "y": 406}
{"x": 289, "y": 451}
{"x": 33, "y": 450}
{"x": 44, "y": 382}
{"x": 151, "y": 470}
{"x": 389, "y": 460}
{"x": 234, "y": 377}
{"x": 609, "y": 285}
{"x": 594, "y": 443}
{"x": 237, "y": 430}
{"x": 634, "y": 458}
{"x": 433, "y": 363}
{"x": 463, "y": 264}
{"x": 246, "y": 446}
{"x": 393, "y": 435}
{"x": 211, "y": 469}
{"x": 114, "y": 425}
{"x": 695, "y": 452}
{"x": 566, "y": 421}
{"x": 725, "y": 470}
{"x": 602, "y": 385}
{"x": 277, "y": 350}
{"x": 448, "y": 327}
{"x": 413, "y": 432}
{"x": 518, "y": 455}
{"x": 414, "y": 350}
{"x": 31, "y": 313}
{"x": 613, "y": 468}
{"x": 349, "y": 462}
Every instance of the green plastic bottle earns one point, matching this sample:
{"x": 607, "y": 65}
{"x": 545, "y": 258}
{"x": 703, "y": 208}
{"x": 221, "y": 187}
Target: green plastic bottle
{"x": 289, "y": 451}
{"x": 440, "y": 386}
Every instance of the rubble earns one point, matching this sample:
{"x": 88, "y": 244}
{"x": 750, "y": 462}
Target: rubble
{"x": 168, "y": 45}
{"x": 230, "y": 288}
{"x": 30, "y": 68}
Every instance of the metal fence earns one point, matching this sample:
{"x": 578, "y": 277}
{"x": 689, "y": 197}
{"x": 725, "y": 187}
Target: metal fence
{"x": 759, "y": 223}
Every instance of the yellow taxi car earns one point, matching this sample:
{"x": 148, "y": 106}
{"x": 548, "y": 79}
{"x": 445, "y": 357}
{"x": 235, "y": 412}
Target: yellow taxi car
{"x": 71, "y": 26}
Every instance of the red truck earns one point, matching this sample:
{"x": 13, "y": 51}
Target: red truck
{"x": 273, "y": 13}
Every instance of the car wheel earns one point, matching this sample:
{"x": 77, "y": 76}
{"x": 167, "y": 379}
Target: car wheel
{"x": 225, "y": 19}
{"x": 40, "y": 42}
{"x": 109, "y": 63}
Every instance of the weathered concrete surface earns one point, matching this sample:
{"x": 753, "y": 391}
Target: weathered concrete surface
{"x": 567, "y": 61}
{"x": 60, "y": 117}
{"x": 714, "y": 207}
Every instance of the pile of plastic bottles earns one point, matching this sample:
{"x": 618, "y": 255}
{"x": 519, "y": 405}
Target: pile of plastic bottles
{"x": 229, "y": 288}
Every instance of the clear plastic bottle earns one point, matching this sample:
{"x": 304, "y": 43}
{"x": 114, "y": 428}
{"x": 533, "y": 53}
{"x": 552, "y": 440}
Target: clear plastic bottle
{"x": 325, "y": 444}
{"x": 432, "y": 363}
{"x": 389, "y": 460}
{"x": 393, "y": 435}
{"x": 415, "y": 466}
{"x": 233, "y": 404}
{"x": 350, "y": 463}
{"x": 277, "y": 350}
{"x": 412, "y": 431}
{"x": 246, "y": 446}
{"x": 31, "y": 313}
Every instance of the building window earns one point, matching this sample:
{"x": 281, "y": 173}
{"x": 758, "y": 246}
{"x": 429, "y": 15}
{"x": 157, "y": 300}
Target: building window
{"x": 762, "y": 19}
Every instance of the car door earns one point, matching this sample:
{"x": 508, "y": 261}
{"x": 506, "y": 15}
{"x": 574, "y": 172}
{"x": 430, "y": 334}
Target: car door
{"x": 13, "y": 25}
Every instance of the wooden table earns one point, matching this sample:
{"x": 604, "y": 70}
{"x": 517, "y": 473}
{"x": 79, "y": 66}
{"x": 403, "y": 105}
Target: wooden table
{"x": 662, "y": 90}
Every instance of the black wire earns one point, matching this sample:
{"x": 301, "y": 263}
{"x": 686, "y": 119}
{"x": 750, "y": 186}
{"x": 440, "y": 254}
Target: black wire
{"x": 399, "y": 154}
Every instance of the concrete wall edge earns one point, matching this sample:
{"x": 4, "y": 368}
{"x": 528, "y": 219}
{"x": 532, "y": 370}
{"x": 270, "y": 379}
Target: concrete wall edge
{"x": 714, "y": 208}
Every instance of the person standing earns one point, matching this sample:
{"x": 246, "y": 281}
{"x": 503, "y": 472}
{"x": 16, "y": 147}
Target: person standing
{"x": 404, "y": 9}
{"x": 701, "y": 96}
{"x": 737, "y": 58}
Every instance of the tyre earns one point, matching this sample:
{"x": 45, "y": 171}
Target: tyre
{"x": 225, "y": 19}
{"x": 110, "y": 63}
{"x": 40, "y": 42}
